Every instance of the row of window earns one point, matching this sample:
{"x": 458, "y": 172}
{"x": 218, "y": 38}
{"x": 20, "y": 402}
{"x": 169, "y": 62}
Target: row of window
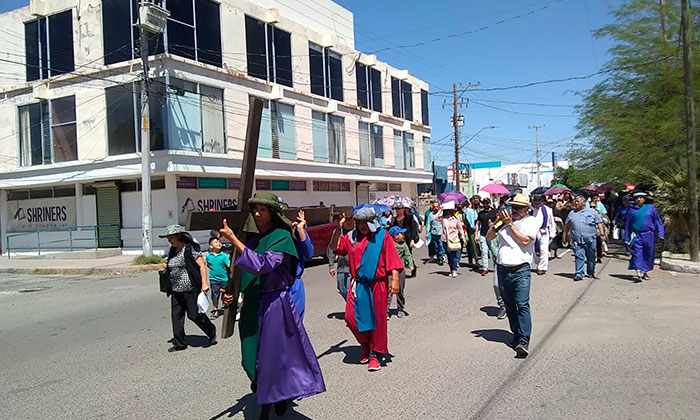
{"x": 193, "y": 31}
{"x": 190, "y": 116}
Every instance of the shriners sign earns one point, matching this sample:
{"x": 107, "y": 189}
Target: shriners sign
{"x": 203, "y": 200}
{"x": 41, "y": 214}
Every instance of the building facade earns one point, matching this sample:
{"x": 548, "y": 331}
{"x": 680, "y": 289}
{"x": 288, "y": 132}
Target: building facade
{"x": 338, "y": 126}
{"x": 522, "y": 176}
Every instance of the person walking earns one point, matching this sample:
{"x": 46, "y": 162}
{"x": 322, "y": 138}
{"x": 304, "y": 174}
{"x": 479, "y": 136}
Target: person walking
{"x": 270, "y": 322}
{"x": 434, "y": 232}
{"x": 340, "y": 266}
{"x": 373, "y": 260}
{"x": 516, "y": 231}
{"x": 426, "y": 228}
{"x": 487, "y": 216}
{"x": 621, "y": 218}
{"x": 188, "y": 276}
{"x": 217, "y": 263}
{"x": 405, "y": 220}
{"x": 471, "y": 213}
{"x": 643, "y": 225}
{"x": 408, "y": 267}
{"x": 305, "y": 251}
{"x": 582, "y": 226}
{"x": 546, "y": 232}
{"x": 453, "y": 236}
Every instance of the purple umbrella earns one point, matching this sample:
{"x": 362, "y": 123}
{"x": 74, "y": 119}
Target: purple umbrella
{"x": 555, "y": 190}
{"x": 455, "y": 196}
{"x": 395, "y": 200}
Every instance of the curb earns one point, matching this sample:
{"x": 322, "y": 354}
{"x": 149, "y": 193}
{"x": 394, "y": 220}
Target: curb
{"x": 130, "y": 269}
{"x": 680, "y": 267}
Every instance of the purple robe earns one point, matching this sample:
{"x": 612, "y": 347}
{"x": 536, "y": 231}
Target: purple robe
{"x": 286, "y": 366}
{"x": 644, "y": 230}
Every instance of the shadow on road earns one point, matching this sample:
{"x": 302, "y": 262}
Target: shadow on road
{"x": 490, "y": 310}
{"x": 496, "y": 336}
{"x": 352, "y": 353}
{"x": 628, "y": 277}
{"x": 251, "y": 410}
{"x": 566, "y": 275}
{"x": 196, "y": 340}
{"x": 336, "y": 315}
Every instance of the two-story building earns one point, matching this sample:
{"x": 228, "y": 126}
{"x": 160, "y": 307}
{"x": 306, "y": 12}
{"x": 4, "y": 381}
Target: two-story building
{"x": 338, "y": 125}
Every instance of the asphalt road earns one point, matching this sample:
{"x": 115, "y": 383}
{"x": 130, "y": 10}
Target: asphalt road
{"x": 95, "y": 348}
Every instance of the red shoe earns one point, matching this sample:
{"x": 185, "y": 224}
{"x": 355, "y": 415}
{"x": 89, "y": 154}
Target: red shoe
{"x": 485, "y": 272}
{"x": 364, "y": 356}
{"x": 373, "y": 364}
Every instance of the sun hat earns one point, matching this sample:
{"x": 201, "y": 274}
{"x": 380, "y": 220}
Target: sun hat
{"x": 640, "y": 194}
{"x": 367, "y": 213}
{"x": 520, "y": 200}
{"x": 173, "y": 230}
{"x": 271, "y": 201}
{"x": 450, "y": 205}
{"x": 396, "y": 230}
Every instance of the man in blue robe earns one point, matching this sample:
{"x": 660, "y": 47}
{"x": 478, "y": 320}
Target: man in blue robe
{"x": 643, "y": 225}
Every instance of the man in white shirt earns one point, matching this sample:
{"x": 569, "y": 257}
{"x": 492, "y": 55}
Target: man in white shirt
{"x": 547, "y": 230}
{"x": 516, "y": 231}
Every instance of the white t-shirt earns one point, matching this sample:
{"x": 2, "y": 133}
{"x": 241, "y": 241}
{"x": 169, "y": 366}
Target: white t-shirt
{"x": 510, "y": 252}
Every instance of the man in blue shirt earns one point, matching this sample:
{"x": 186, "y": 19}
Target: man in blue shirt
{"x": 583, "y": 225}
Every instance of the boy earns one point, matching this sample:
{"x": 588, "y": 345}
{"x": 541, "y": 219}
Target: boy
{"x": 408, "y": 265}
{"x": 218, "y": 263}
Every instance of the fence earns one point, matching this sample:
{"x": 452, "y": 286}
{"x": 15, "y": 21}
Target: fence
{"x": 75, "y": 237}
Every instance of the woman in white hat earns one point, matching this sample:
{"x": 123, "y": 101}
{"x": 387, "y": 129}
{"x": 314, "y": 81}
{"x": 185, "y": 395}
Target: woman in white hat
{"x": 452, "y": 236}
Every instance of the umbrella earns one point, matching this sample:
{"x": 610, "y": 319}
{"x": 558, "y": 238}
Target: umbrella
{"x": 377, "y": 208}
{"x": 560, "y": 185}
{"x": 555, "y": 190}
{"x": 455, "y": 196}
{"x": 605, "y": 188}
{"x": 495, "y": 189}
{"x": 591, "y": 188}
{"x": 539, "y": 190}
{"x": 396, "y": 201}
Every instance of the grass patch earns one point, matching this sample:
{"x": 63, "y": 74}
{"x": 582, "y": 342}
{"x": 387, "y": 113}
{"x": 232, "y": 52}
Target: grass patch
{"x": 43, "y": 271}
{"x": 144, "y": 260}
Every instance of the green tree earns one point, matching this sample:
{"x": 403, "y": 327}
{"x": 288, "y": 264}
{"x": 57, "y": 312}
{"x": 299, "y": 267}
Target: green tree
{"x": 634, "y": 117}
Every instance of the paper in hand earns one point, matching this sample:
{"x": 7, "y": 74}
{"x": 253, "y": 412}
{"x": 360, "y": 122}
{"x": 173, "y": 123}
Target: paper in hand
{"x": 202, "y": 302}
{"x": 419, "y": 244}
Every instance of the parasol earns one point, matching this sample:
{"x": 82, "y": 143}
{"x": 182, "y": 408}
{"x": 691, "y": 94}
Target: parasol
{"x": 539, "y": 190}
{"x": 555, "y": 190}
{"x": 455, "y": 196}
{"x": 495, "y": 189}
{"x": 396, "y": 201}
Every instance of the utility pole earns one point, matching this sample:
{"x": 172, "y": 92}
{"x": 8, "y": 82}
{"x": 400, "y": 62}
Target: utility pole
{"x": 690, "y": 132}
{"x": 455, "y": 123}
{"x": 537, "y": 149}
{"x": 146, "y": 213}
{"x": 151, "y": 18}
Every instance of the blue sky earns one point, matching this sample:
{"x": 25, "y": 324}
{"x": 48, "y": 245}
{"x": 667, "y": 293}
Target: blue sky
{"x": 515, "y": 42}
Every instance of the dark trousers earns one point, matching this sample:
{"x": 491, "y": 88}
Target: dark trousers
{"x": 400, "y": 298}
{"x": 472, "y": 250}
{"x": 514, "y": 284}
{"x": 182, "y": 302}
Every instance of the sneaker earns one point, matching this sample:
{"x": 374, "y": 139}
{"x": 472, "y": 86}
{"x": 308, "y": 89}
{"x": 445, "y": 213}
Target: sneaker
{"x": 176, "y": 348}
{"x": 521, "y": 350}
{"x": 578, "y": 278}
{"x": 484, "y": 272}
{"x": 214, "y": 315}
{"x": 441, "y": 262}
{"x": 541, "y": 272}
{"x": 454, "y": 274}
{"x": 401, "y": 313}
{"x": 373, "y": 364}
{"x": 645, "y": 276}
{"x": 501, "y": 313}
{"x": 593, "y": 276}
{"x": 364, "y": 356}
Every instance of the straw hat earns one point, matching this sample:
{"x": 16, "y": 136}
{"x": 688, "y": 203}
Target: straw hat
{"x": 520, "y": 200}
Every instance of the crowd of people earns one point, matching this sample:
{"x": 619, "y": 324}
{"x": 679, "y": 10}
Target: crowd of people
{"x": 370, "y": 254}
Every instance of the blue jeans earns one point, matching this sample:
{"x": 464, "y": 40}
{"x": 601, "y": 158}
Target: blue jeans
{"x": 453, "y": 259}
{"x": 585, "y": 252}
{"x": 514, "y": 285}
{"x": 485, "y": 247}
{"x": 436, "y": 241}
{"x": 343, "y": 284}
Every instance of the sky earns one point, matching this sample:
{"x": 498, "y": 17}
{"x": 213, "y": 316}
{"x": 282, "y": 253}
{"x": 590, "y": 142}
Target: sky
{"x": 510, "y": 42}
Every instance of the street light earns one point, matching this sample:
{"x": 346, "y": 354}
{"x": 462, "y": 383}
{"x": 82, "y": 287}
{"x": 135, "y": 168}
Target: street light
{"x": 477, "y": 133}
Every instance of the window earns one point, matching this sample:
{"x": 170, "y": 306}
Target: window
{"x": 326, "y": 69}
{"x": 195, "y": 115}
{"x": 404, "y": 150}
{"x": 123, "y": 122}
{"x": 193, "y": 31}
{"x": 331, "y": 186}
{"x": 395, "y": 187}
{"x": 427, "y": 158}
{"x": 369, "y": 87}
{"x": 48, "y": 132}
{"x": 402, "y": 99}
{"x": 15, "y": 195}
{"x": 424, "y": 107}
{"x": 277, "y": 131}
{"x": 371, "y": 145}
{"x": 269, "y": 52}
{"x": 48, "y": 44}
{"x": 379, "y": 186}
{"x": 328, "y": 137}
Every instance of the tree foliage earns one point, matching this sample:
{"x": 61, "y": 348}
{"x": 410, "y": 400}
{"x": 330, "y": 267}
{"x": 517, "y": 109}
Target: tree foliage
{"x": 634, "y": 117}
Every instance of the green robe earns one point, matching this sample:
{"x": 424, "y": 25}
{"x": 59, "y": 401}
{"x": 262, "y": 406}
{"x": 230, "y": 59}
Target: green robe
{"x": 252, "y": 287}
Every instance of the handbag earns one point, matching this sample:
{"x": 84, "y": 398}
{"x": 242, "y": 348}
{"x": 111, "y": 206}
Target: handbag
{"x": 453, "y": 243}
{"x": 164, "y": 279}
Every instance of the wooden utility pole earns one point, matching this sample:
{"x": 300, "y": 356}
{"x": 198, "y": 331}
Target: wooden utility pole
{"x": 537, "y": 149}
{"x": 690, "y": 132}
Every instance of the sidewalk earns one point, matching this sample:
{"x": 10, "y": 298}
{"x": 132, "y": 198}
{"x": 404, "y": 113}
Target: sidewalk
{"x": 116, "y": 265}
